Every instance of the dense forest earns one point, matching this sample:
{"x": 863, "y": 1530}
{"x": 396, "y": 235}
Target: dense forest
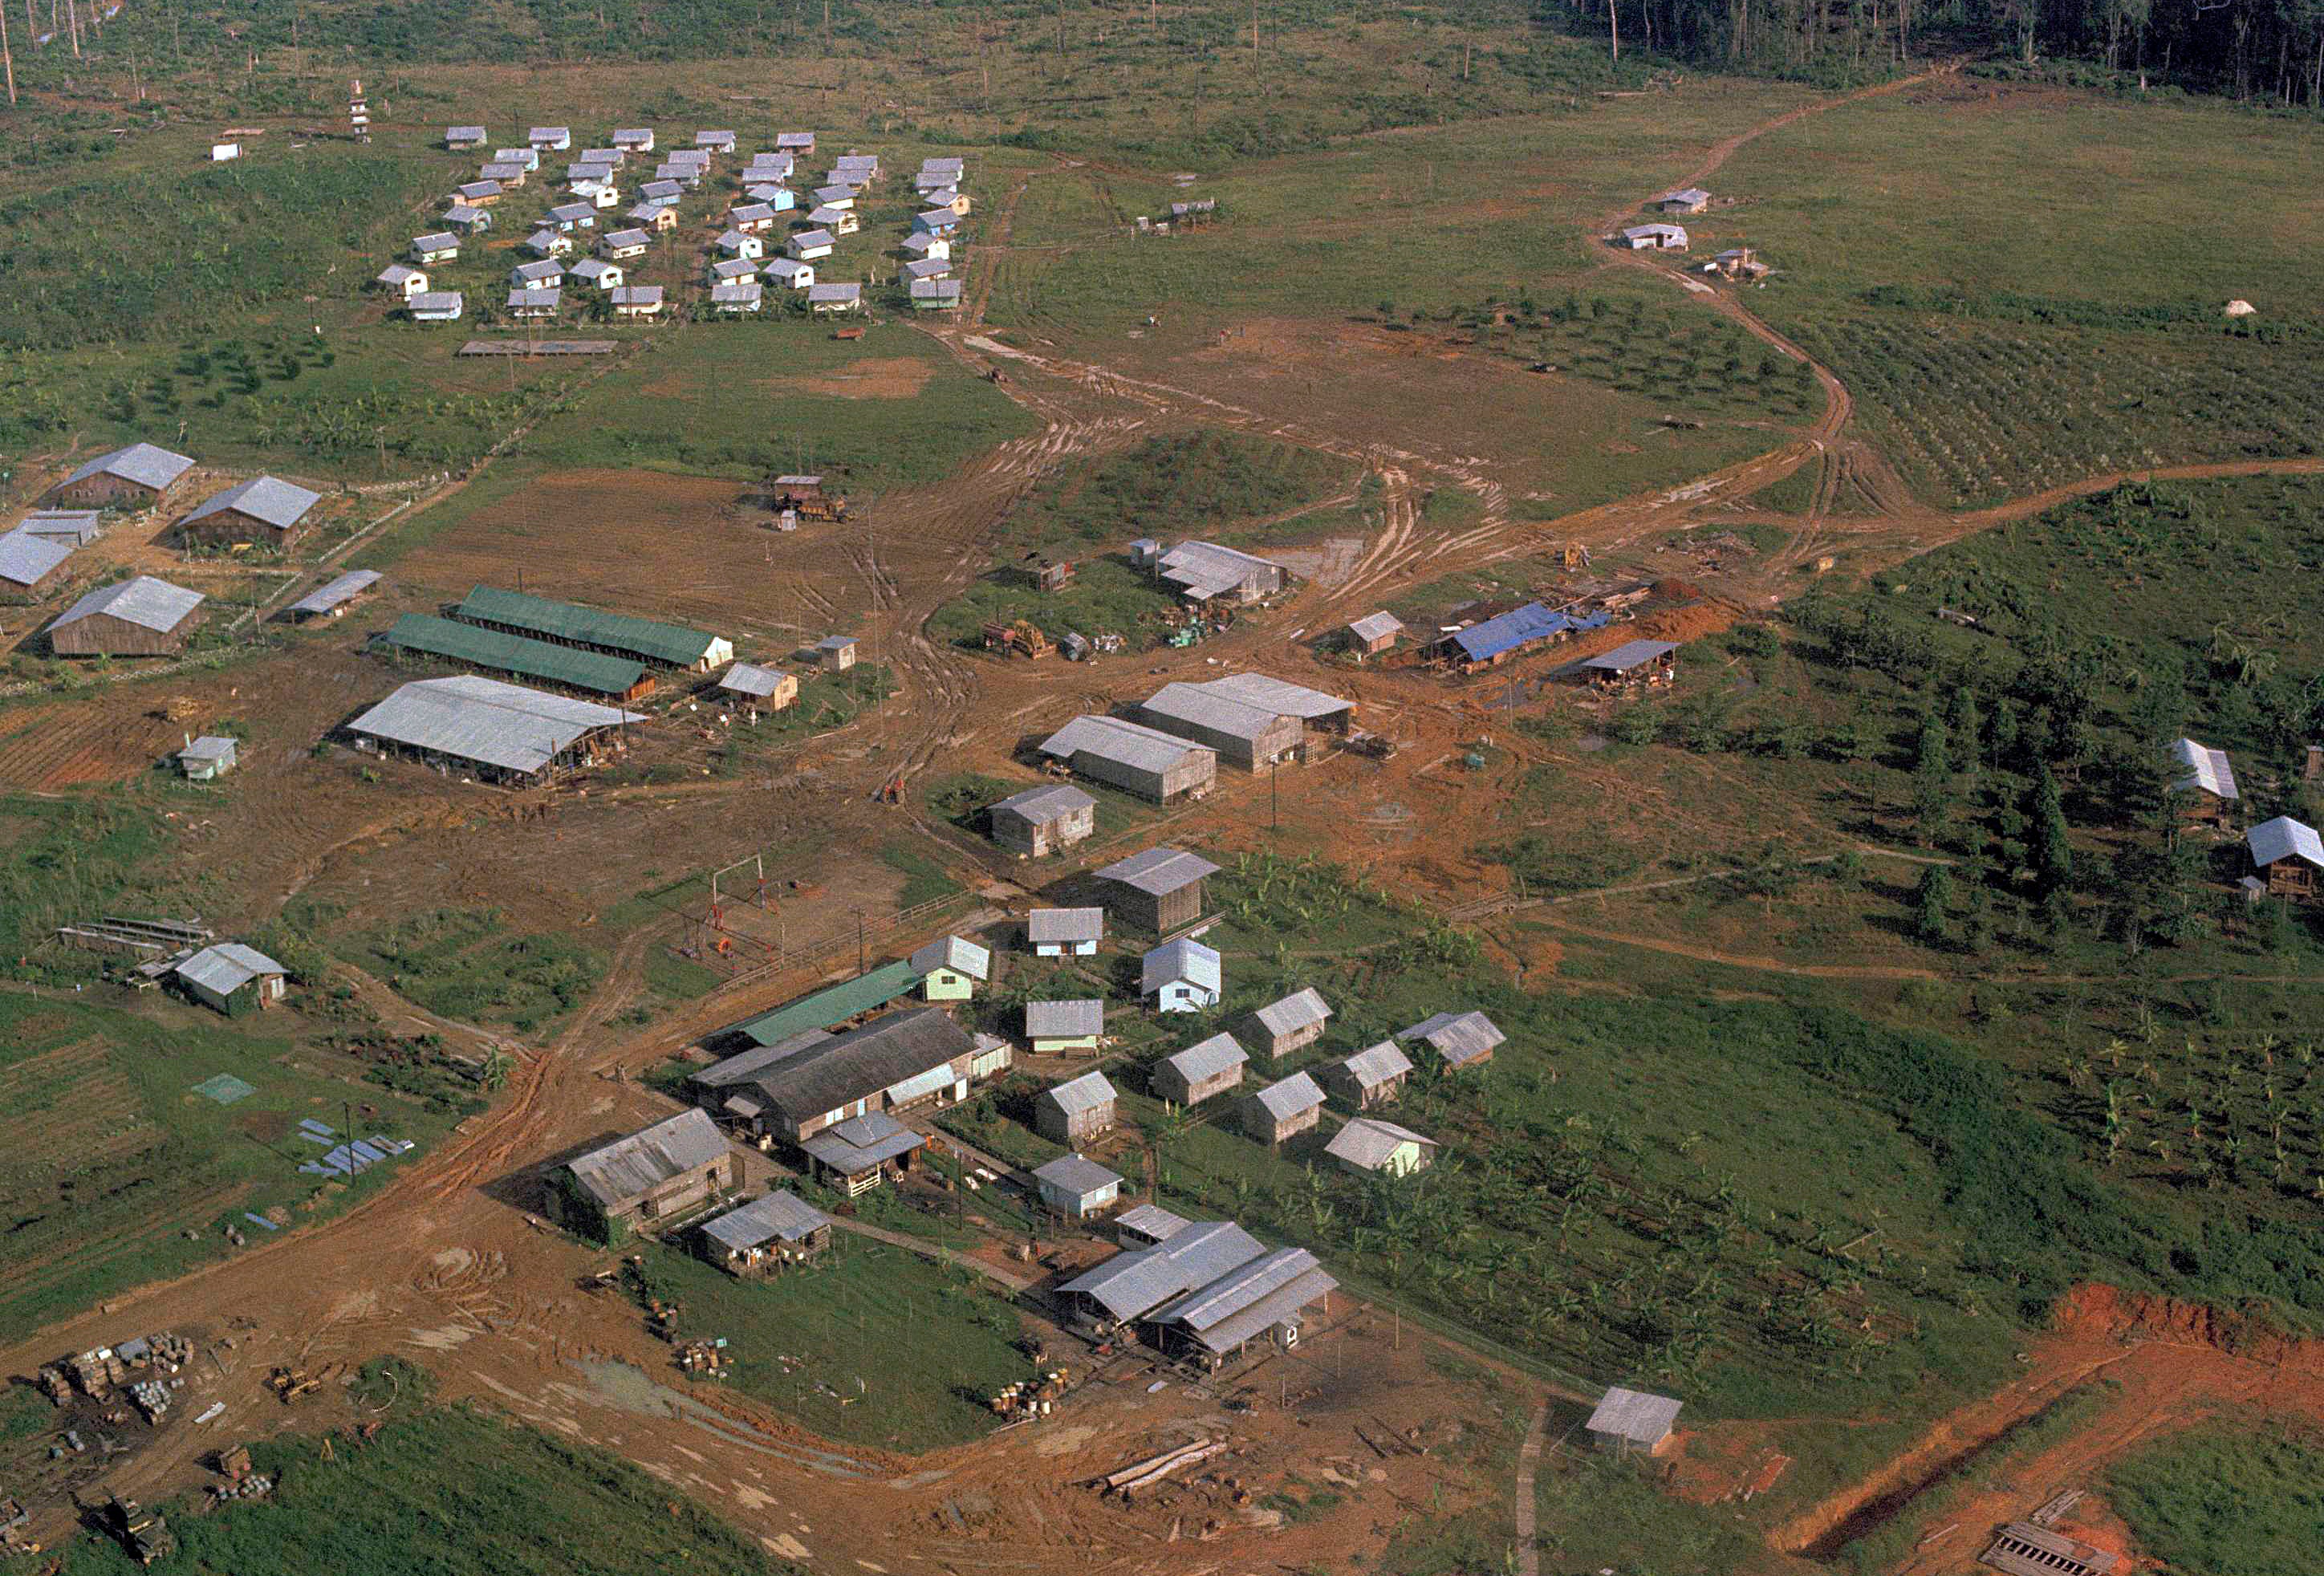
{"x": 2262, "y": 50}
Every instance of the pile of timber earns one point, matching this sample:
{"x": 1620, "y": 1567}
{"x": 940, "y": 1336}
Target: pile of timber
{"x": 1153, "y": 1470}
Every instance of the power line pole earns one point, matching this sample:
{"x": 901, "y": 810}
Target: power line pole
{"x": 8, "y": 59}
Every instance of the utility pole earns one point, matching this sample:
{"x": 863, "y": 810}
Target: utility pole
{"x": 72, "y": 22}
{"x": 6, "y": 58}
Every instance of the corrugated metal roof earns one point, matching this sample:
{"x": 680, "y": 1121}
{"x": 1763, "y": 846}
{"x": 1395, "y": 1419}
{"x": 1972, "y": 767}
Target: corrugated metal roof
{"x": 147, "y": 465}
{"x": 807, "y": 239}
{"x": 1133, "y": 1283}
{"x": 637, "y": 295}
{"x": 1458, "y": 1037}
{"x": 1090, "y": 1091}
{"x": 661, "y": 642}
{"x": 1282, "y": 1305}
{"x": 464, "y": 133}
{"x": 544, "y": 272}
{"x": 1378, "y": 1064}
{"x": 1198, "y": 705}
{"x": 146, "y": 602}
{"x": 628, "y": 1167}
{"x": 1688, "y": 194}
{"x": 1065, "y": 924}
{"x": 209, "y": 747}
{"x": 834, "y": 292}
{"x": 546, "y": 297}
{"x": 473, "y": 718}
{"x": 1374, "y": 626}
{"x": 1129, "y": 744}
{"x": 505, "y": 653}
{"x": 1635, "y": 1415}
{"x": 950, "y": 952}
{"x": 1288, "y": 1097}
{"x": 1303, "y": 1009}
{"x": 77, "y": 526}
{"x": 1064, "y": 1020}
{"x": 1207, "y": 1058}
{"x": 834, "y": 1004}
{"x": 443, "y": 300}
{"x": 2207, "y": 770}
{"x": 862, "y": 1062}
{"x": 782, "y": 1216}
{"x": 749, "y": 679}
{"x": 26, "y": 559}
{"x": 323, "y": 598}
{"x": 1182, "y": 959}
{"x": 1630, "y": 654}
{"x": 1277, "y": 694}
{"x": 1044, "y": 805}
{"x": 398, "y": 274}
{"x": 749, "y": 1064}
{"x": 2284, "y": 838}
{"x": 268, "y": 499}
{"x": 1159, "y": 872}
{"x": 934, "y": 290}
{"x": 672, "y": 188}
{"x": 1076, "y": 1174}
{"x": 925, "y": 268}
{"x": 1150, "y": 1221}
{"x": 629, "y": 237}
{"x": 1206, "y": 568}
{"x": 227, "y": 967}
{"x": 1211, "y": 1304}
{"x": 1368, "y": 1142}
{"x": 860, "y": 1143}
{"x": 835, "y": 643}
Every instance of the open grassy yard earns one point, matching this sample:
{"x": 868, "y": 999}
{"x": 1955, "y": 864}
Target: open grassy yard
{"x": 2024, "y": 286}
{"x": 116, "y": 1152}
{"x": 822, "y": 1343}
{"x": 454, "y": 1491}
{"x": 2224, "y": 1500}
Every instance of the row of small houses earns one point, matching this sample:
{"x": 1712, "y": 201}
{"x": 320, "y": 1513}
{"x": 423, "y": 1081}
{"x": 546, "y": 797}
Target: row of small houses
{"x": 536, "y": 288}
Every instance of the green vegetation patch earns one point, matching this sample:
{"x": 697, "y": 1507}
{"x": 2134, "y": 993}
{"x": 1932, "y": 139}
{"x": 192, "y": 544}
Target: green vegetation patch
{"x": 70, "y": 860}
{"x": 114, "y": 1157}
{"x": 821, "y": 1342}
{"x": 1176, "y": 484}
{"x": 453, "y": 1492}
{"x": 2217, "y": 1501}
{"x": 464, "y": 964}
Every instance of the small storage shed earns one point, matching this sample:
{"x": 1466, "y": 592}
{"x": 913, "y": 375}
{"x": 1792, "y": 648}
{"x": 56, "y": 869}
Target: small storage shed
{"x": 207, "y": 757}
{"x": 1691, "y": 200}
{"x": 1373, "y": 1076}
{"x": 1372, "y": 1147}
{"x": 1632, "y": 1420}
{"x": 231, "y": 978}
{"x": 1181, "y": 976}
{"x": 1281, "y": 1027}
{"x": 2286, "y": 856}
{"x": 1064, "y": 933}
{"x": 1464, "y": 1039}
{"x": 1043, "y": 821}
{"x": 1075, "y": 1112}
{"x": 765, "y": 1236}
{"x": 763, "y": 688}
{"x": 1653, "y": 238}
{"x": 1055, "y": 1028}
{"x": 1207, "y": 1068}
{"x": 1632, "y": 664}
{"x": 143, "y": 617}
{"x": 1283, "y": 1108}
{"x": 1373, "y": 633}
{"x": 2205, "y": 782}
{"x": 835, "y": 653}
{"x": 1160, "y": 890}
{"x": 951, "y": 969}
{"x": 1074, "y": 1185}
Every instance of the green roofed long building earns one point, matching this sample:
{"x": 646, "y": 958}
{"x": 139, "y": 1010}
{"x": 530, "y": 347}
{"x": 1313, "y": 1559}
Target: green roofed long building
{"x": 594, "y": 672}
{"x": 569, "y": 624}
{"x": 836, "y": 1004}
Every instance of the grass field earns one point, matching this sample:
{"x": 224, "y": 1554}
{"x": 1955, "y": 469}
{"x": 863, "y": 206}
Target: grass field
{"x": 820, "y": 1343}
{"x": 463, "y": 963}
{"x": 2224, "y": 1501}
{"x": 2024, "y": 286}
{"x": 115, "y": 1155}
{"x": 452, "y": 1491}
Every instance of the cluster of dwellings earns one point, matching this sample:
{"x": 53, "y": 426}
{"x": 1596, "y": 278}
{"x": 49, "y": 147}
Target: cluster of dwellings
{"x": 1170, "y": 749}
{"x": 155, "y": 618}
{"x": 744, "y": 258}
{"x": 1666, "y": 237}
{"x": 2287, "y": 855}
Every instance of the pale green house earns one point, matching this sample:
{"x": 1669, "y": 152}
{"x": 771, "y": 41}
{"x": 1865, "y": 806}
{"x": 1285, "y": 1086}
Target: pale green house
{"x": 1372, "y": 1147}
{"x": 951, "y": 969}
{"x": 1055, "y": 1028}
